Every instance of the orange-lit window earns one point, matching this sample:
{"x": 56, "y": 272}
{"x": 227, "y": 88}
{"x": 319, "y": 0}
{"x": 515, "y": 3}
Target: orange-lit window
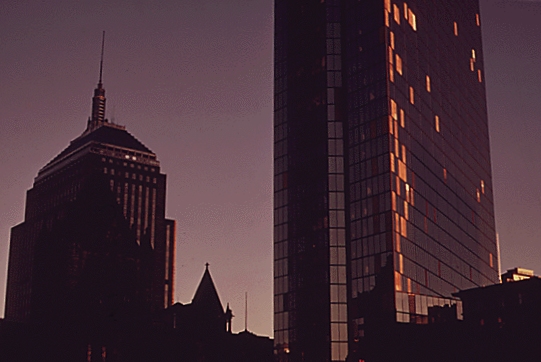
{"x": 412, "y": 19}
{"x": 394, "y": 109}
{"x": 391, "y": 73}
{"x": 406, "y": 11}
{"x": 393, "y": 198}
{"x": 391, "y": 56}
{"x": 396, "y": 13}
{"x": 397, "y": 236}
{"x": 406, "y": 210}
{"x": 491, "y": 260}
{"x": 402, "y": 171}
{"x": 402, "y": 119}
{"x": 437, "y": 123}
{"x": 398, "y": 64}
{"x": 412, "y": 96}
{"x": 473, "y": 54}
{"x": 401, "y": 263}
{"x": 404, "y": 154}
{"x": 478, "y": 193}
{"x": 388, "y": 6}
{"x": 407, "y": 187}
{"x": 387, "y": 22}
{"x": 397, "y": 281}
{"x": 483, "y": 186}
{"x": 403, "y": 227}
{"x": 477, "y": 20}
{"x": 391, "y": 36}
{"x": 479, "y": 75}
{"x": 455, "y": 26}
{"x": 445, "y": 175}
{"x": 472, "y": 64}
{"x": 428, "y": 84}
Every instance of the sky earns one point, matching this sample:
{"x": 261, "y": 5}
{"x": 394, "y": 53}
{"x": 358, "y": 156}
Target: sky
{"x": 193, "y": 81}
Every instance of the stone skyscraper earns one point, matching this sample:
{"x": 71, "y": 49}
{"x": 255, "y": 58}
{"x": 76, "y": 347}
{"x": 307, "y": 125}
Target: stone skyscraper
{"x": 383, "y": 201}
{"x": 95, "y": 241}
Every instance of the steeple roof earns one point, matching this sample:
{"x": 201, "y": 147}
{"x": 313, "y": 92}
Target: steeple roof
{"x": 206, "y": 296}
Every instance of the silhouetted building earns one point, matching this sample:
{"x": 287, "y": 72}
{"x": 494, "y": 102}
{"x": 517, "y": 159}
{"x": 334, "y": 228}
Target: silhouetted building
{"x": 95, "y": 251}
{"x": 205, "y": 315}
{"x": 503, "y": 321}
{"x": 201, "y": 331}
{"x": 382, "y": 168}
{"x": 198, "y": 331}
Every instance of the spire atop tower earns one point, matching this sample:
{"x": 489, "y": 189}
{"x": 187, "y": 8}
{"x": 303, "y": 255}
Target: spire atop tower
{"x": 101, "y": 59}
{"x": 98, "y": 101}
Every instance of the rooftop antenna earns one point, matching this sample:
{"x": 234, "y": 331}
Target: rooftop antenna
{"x": 101, "y": 60}
{"x": 98, "y": 101}
{"x": 246, "y": 311}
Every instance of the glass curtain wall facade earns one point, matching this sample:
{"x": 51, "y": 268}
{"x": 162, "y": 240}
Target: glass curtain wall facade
{"x": 383, "y": 186}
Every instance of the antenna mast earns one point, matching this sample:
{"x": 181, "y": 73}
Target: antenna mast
{"x": 98, "y": 101}
{"x": 101, "y": 60}
{"x": 246, "y": 311}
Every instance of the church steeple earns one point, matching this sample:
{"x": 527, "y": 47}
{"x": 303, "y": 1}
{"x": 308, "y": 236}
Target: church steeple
{"x": 98, "y": 101}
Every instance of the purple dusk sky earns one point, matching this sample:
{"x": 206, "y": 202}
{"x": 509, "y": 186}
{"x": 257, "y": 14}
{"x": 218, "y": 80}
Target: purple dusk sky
{"x": 193, "y": 81}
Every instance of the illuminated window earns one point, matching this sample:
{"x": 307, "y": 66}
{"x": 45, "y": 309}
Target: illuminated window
{"x": 391, "y": 56}
{"x": 445, "y": 175}
{"x": 392, "y": 165}
{"x": 455, "y": 25}
{"x": 391, "y": 35}
{"x": 398, "y": 64}
{"x": 387, "y": 22}
{"x": 406, "y": 211}
{"x": 405, "y": 11}
{"x": 428, "y": 84}
{"x": 394, "y": 111}
{"x": 396, "y": 13}
{"x": 402, "y": 171}
{"x": 397, "y": 281}
{"x": 472, "y": 64}
{"x": 403, "y": 153}
{"x": 483, "y": 187}
{"x": 478, "y": 193}
{"x": 479, "y": 76}
{"x": 491, "y": 260}
{"x": 477, "y": 20}
{"x": 401, "y": 263}
{"x": 412, "y": 96}
{"x": 403, "y": 227}
{"x": 473, "y": 54}
{"x": 388, "y": 6}
{"x": 437, "y": 123}
{"x": 391, "y": 73}
{"x": 412, "y": 19}
{"x": 402, "y": 119}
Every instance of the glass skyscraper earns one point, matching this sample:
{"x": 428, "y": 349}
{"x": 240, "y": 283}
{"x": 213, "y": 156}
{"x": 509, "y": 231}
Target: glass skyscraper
{"x": 383, "y": 201}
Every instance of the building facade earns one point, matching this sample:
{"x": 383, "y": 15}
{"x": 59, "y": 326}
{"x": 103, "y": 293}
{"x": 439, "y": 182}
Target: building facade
{"x": 95, "y": 239}
{"x": 383, "y": 189}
